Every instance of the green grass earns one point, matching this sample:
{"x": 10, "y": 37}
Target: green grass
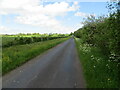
{"x": 14, "y": 56}
{"x": 6, "y": 40}
{"x": 99, "y": 71}
{"x": 25, "y": 35}
{"x": 11, "y": 40}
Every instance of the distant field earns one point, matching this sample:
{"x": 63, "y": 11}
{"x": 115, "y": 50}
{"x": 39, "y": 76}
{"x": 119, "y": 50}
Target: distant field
{"x": 10, "y": 40}
{"x": 14, "y": 56}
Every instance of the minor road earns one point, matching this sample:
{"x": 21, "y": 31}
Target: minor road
{"x": 58, "y": 67}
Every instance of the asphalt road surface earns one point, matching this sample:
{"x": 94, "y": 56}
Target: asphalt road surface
{"x": 58, "y": 67}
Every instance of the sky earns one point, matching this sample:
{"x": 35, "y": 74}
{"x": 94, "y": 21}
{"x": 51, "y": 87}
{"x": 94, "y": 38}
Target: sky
{"x": 48, "y": 16}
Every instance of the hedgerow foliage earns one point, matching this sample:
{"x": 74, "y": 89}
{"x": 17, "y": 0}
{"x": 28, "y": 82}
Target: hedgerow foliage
{"x": 28, "y": 40}
{"x": 103, "y": 32}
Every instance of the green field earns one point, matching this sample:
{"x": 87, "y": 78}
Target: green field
{"x": 14, "y": 56}
{"x": 98, "y": 70}
{"x": 20, "y": 39}
{"x": 6, "y": 40}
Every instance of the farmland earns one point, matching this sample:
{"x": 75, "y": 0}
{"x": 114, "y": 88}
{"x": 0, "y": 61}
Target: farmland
{"x": 20, "y": 39}
{"x": 17, "y": 54}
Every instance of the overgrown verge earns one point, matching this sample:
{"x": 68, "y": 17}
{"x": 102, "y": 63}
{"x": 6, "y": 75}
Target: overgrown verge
{"x": 14, "y": 56}
{"x": 99, "y": 48}
{"x": 99, "y": 70}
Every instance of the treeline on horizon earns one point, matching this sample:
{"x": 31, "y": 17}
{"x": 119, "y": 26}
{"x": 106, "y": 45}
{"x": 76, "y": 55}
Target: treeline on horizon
{"x": 35, "y": 34}
{"x": 21, "y": 38}
{"x": 103, "y": 32}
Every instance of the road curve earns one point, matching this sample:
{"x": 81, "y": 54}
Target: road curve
{"x": 58, "y": 67}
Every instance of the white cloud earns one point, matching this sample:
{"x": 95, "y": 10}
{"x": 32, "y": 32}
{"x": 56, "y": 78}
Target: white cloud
{"x": 37, "y": 20}
{"x": 62, "y": 29}
{"x": 16, "y": 6}
{"x": 79, "y": 0}
{"x": 81, "y": 14}
{"x": 32, "y": 12}
{"x": 35, "y": 7}
{"x": 4, "y": 29}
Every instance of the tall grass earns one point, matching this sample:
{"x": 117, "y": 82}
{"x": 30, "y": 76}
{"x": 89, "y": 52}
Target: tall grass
{"x": 14, "y": 56}
{"x": 99, "y": 71}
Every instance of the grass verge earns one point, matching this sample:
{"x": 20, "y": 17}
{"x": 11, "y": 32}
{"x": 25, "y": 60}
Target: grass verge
{"x": 99, "y": 71}
{"x": 14, "y": 56}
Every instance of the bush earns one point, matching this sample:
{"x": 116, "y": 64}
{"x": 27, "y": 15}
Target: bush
{"x": 28, "y": 40}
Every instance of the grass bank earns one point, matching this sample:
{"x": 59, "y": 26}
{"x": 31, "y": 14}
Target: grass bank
{"x": 14, "y": 56}
{"x": 99, "y": 71}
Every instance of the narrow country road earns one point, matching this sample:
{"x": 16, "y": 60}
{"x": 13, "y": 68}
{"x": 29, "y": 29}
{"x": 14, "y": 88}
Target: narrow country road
{"x": 58, "y": 67}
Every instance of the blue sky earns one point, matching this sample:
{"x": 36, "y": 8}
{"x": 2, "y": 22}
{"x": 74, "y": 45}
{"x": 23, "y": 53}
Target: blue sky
{"x": 34, "y": 16}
